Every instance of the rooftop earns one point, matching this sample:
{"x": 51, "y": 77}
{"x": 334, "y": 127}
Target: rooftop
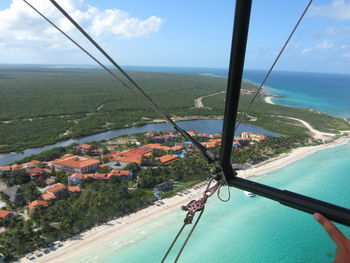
{"x": 56, "y": 188}
{"x": 5, "y": 213}
{"x": 36, "y": 203}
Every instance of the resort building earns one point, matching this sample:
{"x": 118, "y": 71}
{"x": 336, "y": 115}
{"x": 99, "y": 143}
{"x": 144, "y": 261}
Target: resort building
{"x": 76, "y": 179}
{"x": 74, "y": 189}
{"x": 124, "y": 174}
{"x": 5, "y": 214}
{"x": 48, "y": 197}
{"x": 75, "y": 164}
{"x": 38, "y": 173}
{"x": 59, "y": 190}
{"x": 32, "y": 164}
{"x": 36, "y": 204}
{"x": 254, "y": 136}
{"x": 167, "y": 159}
{"x": 83, "y": 148}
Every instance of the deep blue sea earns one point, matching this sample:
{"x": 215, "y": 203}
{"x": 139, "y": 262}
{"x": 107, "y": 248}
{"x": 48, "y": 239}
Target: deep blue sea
{"x": 256, "y": 230}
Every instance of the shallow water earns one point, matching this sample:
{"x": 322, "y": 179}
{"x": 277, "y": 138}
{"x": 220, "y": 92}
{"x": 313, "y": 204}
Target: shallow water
{"x": 247, "y": 229}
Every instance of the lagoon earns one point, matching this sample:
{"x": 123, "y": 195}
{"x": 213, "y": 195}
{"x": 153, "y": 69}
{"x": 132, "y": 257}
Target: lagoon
{"x": 202, "y": 126}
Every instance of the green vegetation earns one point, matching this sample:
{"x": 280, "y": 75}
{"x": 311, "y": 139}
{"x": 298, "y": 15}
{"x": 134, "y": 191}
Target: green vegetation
{"x": 264, "y": 150}
{"x": 43, "y": 106}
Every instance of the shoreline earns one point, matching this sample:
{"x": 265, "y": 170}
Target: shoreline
{"x": 100, "y": 234}
{"x": 268, "y": 100}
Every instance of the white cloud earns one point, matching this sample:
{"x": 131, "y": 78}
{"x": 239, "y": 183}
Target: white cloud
{"x": 345, "y": 46}
{"x": 338, "y": 31}
{"x": 346, "y": 55}
{"x": 320, "y": 46}
{"x": 307, "y": 50}
{"x": 21, "y": 26}
{"x": 337, "y": 9}
{"x": 325, "y": 45}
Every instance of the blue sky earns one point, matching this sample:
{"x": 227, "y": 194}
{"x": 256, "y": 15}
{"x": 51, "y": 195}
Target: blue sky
{"x": 190, "y": 33}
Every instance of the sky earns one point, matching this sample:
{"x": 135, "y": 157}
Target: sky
{"x": 179, "y": 33}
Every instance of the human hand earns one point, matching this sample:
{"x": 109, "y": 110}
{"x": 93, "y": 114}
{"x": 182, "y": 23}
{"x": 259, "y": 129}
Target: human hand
{"x": 343, "y": 244}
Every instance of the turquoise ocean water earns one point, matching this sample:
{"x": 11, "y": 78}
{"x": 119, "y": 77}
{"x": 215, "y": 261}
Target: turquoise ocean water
{"x": 247, "y": 229}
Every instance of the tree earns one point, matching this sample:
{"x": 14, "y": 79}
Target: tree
{"x": 134, "y": 167}
{"x": 18, "y": 177}
{"x": 30, "y": 192}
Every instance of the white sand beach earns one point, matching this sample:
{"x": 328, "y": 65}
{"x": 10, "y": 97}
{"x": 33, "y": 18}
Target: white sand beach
{"x": 97, "y": 235}
{"x": 269, "y": 100}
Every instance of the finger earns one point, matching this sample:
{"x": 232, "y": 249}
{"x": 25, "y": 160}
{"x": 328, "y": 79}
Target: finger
{"x": 337, "y": 236}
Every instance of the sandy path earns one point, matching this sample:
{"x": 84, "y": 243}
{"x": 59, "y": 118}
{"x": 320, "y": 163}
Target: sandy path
{"x": 198, "y": 102}
{"x": 316, "y": 133}
{"x": 114, "y": 228}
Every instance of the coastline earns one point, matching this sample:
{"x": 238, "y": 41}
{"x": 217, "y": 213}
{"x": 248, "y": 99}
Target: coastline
{"x": 74, "y": 247}
{"x": 268, "y": 100}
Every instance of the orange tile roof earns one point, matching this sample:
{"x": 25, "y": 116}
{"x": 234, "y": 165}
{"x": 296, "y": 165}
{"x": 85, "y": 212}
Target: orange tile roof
{"x": 177, "y": 148}
{"x": 118, "y": 172}
{"x": 32, "y": 163}
{"x": 137, "y": 151}
{"x": 148, "y": 154}
{"x": 152, "y": 145}
{"x": 5, "y": 168}
{"x": 74, "y": 189}
{"x": 88, "y": 175}
{"x": 129, "y": 158}
{"x": 48, "y": 196}
{"x": 16, "y": 166}
{"x": 56, "y": 188}
{"x": 164, "y": 148}
{"x": 76, "y": 161}
{"x": 81, "y": 176}
{"x": 84, "y": 146}
{"x": 36, "y": 203}
{"x": 101, "y": 176}
{"x": 5, "y": 213}
{"x": 166, "y": 159}
{"x": 38, "y": 171}
{"x": 209, "y": 144}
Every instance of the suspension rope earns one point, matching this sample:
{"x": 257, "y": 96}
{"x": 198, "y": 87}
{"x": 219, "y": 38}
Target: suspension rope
{"x": 273, "y": 64}
{"x": 137, "y": 92}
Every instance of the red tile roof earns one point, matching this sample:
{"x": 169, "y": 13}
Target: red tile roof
{"x": 48, "y": 196}
{"x": 166, "y": 159}
{"x": 5, "y": 168}
{"x": 81, "y": 176}
{"x": 129, "y": 159}
{"x": 101, "y": 176}
{"x": 177, "y": 148}
{"x": 36, "y": 203}
{"x": 74, "y": 189}
{"x": 32, "y": 163}
{"x": 84, "y": 146}
{"x": 138, "y": 151}
{"x": 56, "y": 188}
{"x": 118, "y": 172}
{"x": 164, "y": 148}
{"x": 76, "y": 161}
{"x": 5, "y": 213}
{"x": 152, "y": 145}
